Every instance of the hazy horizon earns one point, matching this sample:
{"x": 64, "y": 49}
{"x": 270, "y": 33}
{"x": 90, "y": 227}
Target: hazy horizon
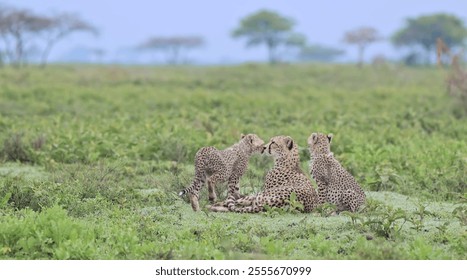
{"x": 123, "y": 25}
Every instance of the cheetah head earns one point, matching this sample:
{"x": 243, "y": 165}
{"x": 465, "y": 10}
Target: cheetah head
{"x": 319, "y": 143}
{"x": 280, "y": 146}
{"x": 253, "y": 142}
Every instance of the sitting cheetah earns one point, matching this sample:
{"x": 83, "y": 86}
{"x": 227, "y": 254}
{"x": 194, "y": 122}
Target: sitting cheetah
{"x": 284, "y": 178}
{"x": 215, "y": 166}
{"x": 335, "y": 184}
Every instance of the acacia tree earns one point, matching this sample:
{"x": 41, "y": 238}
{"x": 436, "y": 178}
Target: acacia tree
{"x": 423, "y": 32}
{"x": 17, "y": 29}
{"x": 172, "y": 46}
{"x": 60, "y": 26}
{"x": 270, "y": 29}
{"x": 319, "y": 53}
{"x": 362, "y": 37}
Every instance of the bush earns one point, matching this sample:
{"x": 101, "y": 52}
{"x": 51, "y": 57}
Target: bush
{"x": 48, "y": 235}
{"x": 52, "y": 234}
{"x": 22, "y": 193}
{"x": 14, "y": 149}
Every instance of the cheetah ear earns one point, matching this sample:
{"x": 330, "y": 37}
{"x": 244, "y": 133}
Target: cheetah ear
{"x": 242, "y": 136}
{"x": 289, "y": 142}
{"x": 330, "y": 137}
{"x": 314, "y": 137}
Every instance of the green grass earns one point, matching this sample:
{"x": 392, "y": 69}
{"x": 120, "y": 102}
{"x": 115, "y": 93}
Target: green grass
{"x": 92, "y": 159}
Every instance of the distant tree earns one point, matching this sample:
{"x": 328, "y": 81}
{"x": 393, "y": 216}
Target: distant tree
{"x": 20, "y": 27}
{"x": 60, "y": 26}
{"x": 319, "y": 53}
{"x": 271, "y": 29}
{"x": 98, "y": 54}
{"x": 172, "y": 46}
{"x": 362, "y": 37}
{"x": 413, "y": 58}
{"x": 423, "y": 32}
{"x": 17, "y": 28}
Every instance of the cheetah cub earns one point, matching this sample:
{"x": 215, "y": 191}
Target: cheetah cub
{"x": 281, "y": 181}
{"x": 219, "y": 166}
{"x": 335, "y": 184}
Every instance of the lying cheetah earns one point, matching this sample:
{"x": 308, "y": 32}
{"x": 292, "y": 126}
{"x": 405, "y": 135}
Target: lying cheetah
{"x": 284, "y": 178}
{"x": 215, "y": 166}
{"x": 335, "y": 184}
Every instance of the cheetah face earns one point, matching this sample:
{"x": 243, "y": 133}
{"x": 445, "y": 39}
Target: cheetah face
{"x": 319, "y": 143}
{"x": 279, "y": 146}
{"x": 254, "y": 142}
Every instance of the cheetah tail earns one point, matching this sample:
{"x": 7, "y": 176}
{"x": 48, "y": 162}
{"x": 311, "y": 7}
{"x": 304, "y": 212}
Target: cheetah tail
{"x": 240, "y": 205}
{"x": 230, "y": 203}
{"x": 250, "y": 209}
{"x": 195, "y": 186}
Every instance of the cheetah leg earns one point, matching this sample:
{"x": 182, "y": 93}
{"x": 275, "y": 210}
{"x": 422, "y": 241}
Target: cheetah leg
{"x": 257, "y": 203}
{"x": 234, "y": 187}
{"x": 277, "y": 197}
{"x": 245, "y": 201}
{"x": 212, "y": 191}
{"x": 212, "y": 182}
{"x": 218, "y": 208}
{"x": 354, "y": 201}
{"x": 253, "y": 208}
{"x": 194, "y": 189}
{"x": 194, "y": 202}
{"x": 231, "y": 201}
{"x": 219, "y": 203}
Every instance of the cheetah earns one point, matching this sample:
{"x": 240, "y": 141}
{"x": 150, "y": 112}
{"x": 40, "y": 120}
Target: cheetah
{"x": 281, "y": 181}
{"x": 335, "y": 184}
{"x": 219, "y": 166}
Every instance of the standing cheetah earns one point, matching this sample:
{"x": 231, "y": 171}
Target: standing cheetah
{"x": 216, "y": 166}
{"x": 281, "y": 181}
{"x": 335, "y": 184}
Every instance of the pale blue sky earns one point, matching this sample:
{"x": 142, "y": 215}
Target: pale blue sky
{"x": 124, "y": 24}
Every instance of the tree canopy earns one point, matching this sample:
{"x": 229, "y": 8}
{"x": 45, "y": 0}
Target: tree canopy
{"x": 22, "y": 30}
{"x": 61, "y": 26}
{"x": 271, "y": 29}
{"x": 362, "y": 37}
{"x": 17, "y": 27}
{"x": 172, "y": 45}
{"x": 319, "y": 53}
{"x": 423, "y": 32}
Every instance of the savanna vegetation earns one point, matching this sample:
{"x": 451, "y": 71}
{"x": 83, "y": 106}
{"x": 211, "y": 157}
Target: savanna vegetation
{"x": 92, "y": 159}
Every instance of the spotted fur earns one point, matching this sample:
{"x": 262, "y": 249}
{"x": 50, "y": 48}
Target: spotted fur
{"x": 281, "y": 181}
{"x": 335, "y": 184}
{"x": 219, "y": 166}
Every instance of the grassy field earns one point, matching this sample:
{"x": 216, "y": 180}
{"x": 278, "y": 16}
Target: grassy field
{"x": 92, "y": 159}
